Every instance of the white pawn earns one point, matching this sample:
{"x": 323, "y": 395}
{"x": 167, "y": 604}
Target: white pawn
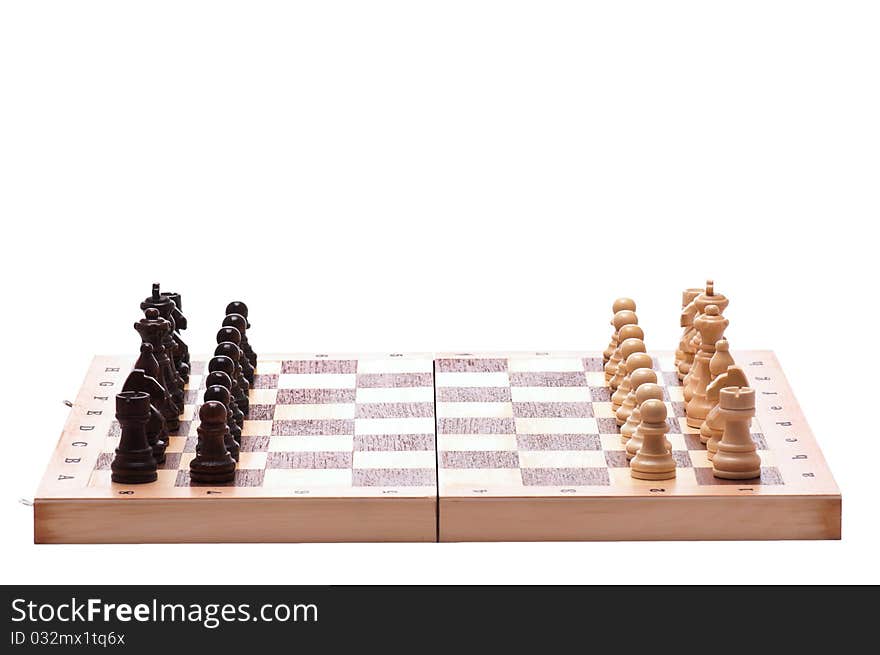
{"x": 653, "y": 461}
{"x": 621, "y": 304}
{"x": 632, "y": 364}
{"x": 737, "y": 457}
{"x": 645, "y": 391}
{"x": 635, "y": 442}
{"x": 626, "y": 325}
{"x": 627, "y": 348}
{"x": 636, "y": 379}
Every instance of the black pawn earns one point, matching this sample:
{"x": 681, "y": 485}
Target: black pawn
{"x": 157, "y": 432}
{"x": 223, "y": 379}
{"x": 150, "y": 366}
{"x": 238, "y": 307}
{"x": 248, "y": 362}
{"x": 230, "y": 350}
{"x": 212, "y": 464}
{"x": 221, "y": 394}
{"x": 134, "y": 462}
{"x": 226, "y": 365}
{"x": 231, "y": 334}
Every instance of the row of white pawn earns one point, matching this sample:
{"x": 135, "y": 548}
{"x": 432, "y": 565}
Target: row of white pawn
{"x": 723, "y": 403}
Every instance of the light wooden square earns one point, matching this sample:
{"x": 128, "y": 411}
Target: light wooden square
{"x": 475, "y": 410}
{"x": 481, "y": 379}
{"x": 263, "y": 396}
{"x": 256, "y": 428}
{"x": 556, "y": 426}
{"x": 411, "y": 425}
{"x": 449, "y": 442}
{"x": 268, "y": 367}
{"x": 414, "y": 459}
{"x": 481, "y": 478}
{"x": 317, "y": 381}
{"x": 550, "y": 394}
{"x": 305, "y": 444}
{"x": 312, "y": 412}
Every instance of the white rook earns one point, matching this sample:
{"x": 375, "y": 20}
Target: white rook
{"x": 737, "y": 457}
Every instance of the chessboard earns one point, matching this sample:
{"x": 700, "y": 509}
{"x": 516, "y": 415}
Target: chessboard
{"x": 528, "y": 449}
{"x": 425, "y": 447}
{"x": 335, "y": 448}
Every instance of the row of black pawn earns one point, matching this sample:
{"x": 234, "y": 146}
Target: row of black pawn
{"x": 152, "y": 399}
{"x": 226, "y": 405}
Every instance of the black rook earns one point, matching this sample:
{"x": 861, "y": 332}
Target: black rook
{"x": 134, "y": 462}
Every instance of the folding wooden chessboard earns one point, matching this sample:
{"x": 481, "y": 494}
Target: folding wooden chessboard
{"x": 425, "y": 447}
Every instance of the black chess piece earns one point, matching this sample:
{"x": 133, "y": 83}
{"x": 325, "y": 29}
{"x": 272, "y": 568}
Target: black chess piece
{"x": 227, "y": 333}
{"x": 238, "y": 307}
{"x": 177, "y": 313}
{"x": 232, "y": 335}
{"x": 173, "y": 350}
{"x": 157, "y": 431}
{"x": 222, "y": 378}
{"x": 225, "y": 364}
{"x": 230, "y": 350}
{"x": 212, "y": 464}
{"x": 156, "y": 331}
{"x": 248, "y": 362}
{"x": 180, "y": 324}
{"x": 247, "y": 371}
{"x": 152, "y": 329}
{"x": 160, "y": 332}
{"x": 178, "y": 350}
{"x": 150, "y": 366}
{"x": 134, "y": 462}
{"x": 221, "y": 394}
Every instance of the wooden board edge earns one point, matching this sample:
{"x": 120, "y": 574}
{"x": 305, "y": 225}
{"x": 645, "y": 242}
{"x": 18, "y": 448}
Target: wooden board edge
{"x": 798, "y": 410}
{"x": 235, "y": 520}
{"x": 640, "y": 519}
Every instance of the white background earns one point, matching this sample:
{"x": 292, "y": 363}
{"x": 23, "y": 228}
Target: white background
{"x": 378, "y": 176}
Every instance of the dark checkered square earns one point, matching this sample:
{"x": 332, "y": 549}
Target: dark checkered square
{"x": 261, "y": 412}
{"x": 484, "y": 459}
{"x": 243, "y": 478}
{"x": 607, "y": 426}
{"x": 309, "y": 460}
{"x": 265, "y": 381}
{"x": 254, "y": 444}
{"x": 546, "y": 477}
{"x": 600, "y": 394}
{"x": 769, "y": 476}
{"x": 393, "y": 477}
{"x": 558, "y": 442}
